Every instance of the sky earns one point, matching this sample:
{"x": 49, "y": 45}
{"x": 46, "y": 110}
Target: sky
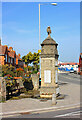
{"x": 20, "y": 27}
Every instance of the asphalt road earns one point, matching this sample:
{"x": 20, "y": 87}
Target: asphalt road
{"x": 69, "y": 78}
{"x": 67, "y": 113}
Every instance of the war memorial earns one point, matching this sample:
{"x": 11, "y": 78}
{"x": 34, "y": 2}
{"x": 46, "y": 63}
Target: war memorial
{"x": 49, "y": 67}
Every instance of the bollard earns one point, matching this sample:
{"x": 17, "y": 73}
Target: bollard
{"x": 53, "y": 99}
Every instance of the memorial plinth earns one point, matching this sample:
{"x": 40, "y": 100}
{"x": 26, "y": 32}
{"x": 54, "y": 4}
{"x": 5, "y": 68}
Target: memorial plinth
{"x": 49, "y": 67}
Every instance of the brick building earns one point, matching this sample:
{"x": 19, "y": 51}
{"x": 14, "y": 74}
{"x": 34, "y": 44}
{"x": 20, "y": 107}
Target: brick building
{"x": 8, "y": 56}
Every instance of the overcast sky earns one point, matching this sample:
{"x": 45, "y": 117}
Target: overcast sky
{"x": 20, "y": 27}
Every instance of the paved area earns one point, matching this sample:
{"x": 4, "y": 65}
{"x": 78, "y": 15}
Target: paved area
{"x": 72, "y": 97}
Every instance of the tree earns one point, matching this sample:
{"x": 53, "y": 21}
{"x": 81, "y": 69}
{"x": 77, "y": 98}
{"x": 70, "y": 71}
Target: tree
{"x": 28, "y": 58}
{"x": 36, "y": 60}
{"x": 31, "y": 58}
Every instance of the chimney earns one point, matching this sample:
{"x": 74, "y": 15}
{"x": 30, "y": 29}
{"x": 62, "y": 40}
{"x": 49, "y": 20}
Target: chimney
{"x": 10, "y": 48}
{"x": 19, "y": 55}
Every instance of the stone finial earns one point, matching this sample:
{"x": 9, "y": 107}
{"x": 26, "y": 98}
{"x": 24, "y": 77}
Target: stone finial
{"x": 48, "y": 30}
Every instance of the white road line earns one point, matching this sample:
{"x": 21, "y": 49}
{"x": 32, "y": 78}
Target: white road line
{"x": 67, "y": 114}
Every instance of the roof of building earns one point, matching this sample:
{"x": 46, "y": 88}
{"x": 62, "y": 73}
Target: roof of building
{"x": 11, "y": 53}
{"x": 2, "y": 49}
{"x": 49, "y": 41}
{"x": 69, "y": 63}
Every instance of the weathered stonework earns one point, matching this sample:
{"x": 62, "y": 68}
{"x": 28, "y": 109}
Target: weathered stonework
{"x": 2, "y": 89}
{"x": 49, "y": 62}
{"x": 35, "y": 80}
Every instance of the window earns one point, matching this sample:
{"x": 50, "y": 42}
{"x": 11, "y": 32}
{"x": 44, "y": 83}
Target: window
{"x": 9, "y": 60}
{"x": 6, "y": 58}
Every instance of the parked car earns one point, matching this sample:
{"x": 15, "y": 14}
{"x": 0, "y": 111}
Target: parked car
{"x": 71, "y": 71}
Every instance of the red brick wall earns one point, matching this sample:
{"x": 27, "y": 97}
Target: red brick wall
{"x": 2, "y": 60}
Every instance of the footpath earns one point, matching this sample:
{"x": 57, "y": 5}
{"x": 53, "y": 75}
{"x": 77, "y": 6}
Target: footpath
{"x": 30, "y": 105}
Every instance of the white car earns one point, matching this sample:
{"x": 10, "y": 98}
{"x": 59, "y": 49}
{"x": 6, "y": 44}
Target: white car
{"x": 71, "y": 71}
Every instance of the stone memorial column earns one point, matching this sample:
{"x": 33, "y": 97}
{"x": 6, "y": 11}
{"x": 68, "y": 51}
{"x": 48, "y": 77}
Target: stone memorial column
{"x": 49, "y": 67}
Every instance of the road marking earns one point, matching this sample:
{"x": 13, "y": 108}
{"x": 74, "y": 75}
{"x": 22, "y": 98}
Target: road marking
{"x": 67, "y": 114}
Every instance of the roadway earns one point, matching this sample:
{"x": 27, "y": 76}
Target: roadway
{"x": 65, "y": 113}
{"x": 69, "y": 78}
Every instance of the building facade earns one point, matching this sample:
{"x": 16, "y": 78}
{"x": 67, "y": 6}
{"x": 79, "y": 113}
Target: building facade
{"x": 8, "y": 56}
{"x": 68, "y": 66}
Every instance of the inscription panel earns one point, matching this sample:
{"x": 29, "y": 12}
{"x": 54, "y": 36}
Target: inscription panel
{"x": 47, "y": 76}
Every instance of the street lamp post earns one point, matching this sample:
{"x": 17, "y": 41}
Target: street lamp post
{"x": 39, "y": 17}
{"x": 39, "y": 26}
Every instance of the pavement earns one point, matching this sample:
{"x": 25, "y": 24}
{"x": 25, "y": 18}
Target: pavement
{"x": 30, "y": 105}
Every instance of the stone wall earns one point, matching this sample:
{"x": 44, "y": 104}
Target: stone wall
{"x": 35, "y": 80}
{"x": 2, "y": 89}
{"x": 20, "y": 83}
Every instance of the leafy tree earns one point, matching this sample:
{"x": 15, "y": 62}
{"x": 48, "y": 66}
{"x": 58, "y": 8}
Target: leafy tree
{"x": 29, "y": 68}
{"x": 31, "y": 58}
{"x": 36, "y": 60}
{"x": 28, "y": 58}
